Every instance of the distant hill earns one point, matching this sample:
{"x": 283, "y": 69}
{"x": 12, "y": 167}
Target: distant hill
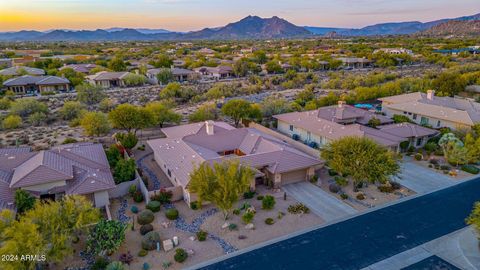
{"x": 140, "y": 30}
{"x": 454, "y": 28}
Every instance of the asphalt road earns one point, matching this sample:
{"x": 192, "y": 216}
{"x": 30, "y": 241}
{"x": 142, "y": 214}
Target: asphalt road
{"x": 363, "y": 240}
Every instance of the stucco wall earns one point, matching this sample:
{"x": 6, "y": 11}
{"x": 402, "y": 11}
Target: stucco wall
{"x": 122, "y": 188}
{"x": 101, "y": 198}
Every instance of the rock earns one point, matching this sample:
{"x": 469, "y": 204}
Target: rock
{"x": 167, "y": 244}
{"x": 190, "y": 252}
{"x": 251, "y": 209}
{"x": 250, "y": 226}
{"x": 175, "y": 240}
{"x": 165, "y": 224}
{"x": 225, "y": 225}
{"x": 241, "y": 237}
{"x": 192, "y": 238}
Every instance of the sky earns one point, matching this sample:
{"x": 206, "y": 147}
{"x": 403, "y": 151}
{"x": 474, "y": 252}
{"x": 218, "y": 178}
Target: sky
{"x": 188, "y": 15}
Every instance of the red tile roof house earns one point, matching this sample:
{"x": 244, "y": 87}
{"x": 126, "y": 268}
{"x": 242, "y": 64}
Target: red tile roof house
{"x": 80, "y": 168}
{"x": 321, "y": 126}
{"x": 276, "y": 162}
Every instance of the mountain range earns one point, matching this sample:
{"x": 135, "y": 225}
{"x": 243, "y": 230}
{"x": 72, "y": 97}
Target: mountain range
{"x": 251, "y": 27}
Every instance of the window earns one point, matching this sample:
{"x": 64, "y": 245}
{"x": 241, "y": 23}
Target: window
{"x": 438, "y": 123}
{"x": 309, "y": 136}
{"x": 424, "y": 121}
{"x": 415, "y": 116}
{"x": 169, "y": 173}
{"x": 291, "y": 127}
{"x": 419, "y": 141}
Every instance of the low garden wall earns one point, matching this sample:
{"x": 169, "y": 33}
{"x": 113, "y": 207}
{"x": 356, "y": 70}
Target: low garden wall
{"x": 143, "y": 188}
{"x": 122, "y": 189}
{"x": 177, "y": 193}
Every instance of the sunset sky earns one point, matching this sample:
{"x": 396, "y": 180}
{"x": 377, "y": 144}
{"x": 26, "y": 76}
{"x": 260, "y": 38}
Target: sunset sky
{"x": 185, "y": 15}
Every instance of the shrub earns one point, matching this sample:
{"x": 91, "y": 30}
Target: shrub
{"x": 360, "y": 196}
{"x": 163, "y": 196}
{"x": 194, "y": 205}
{"x": 445, "y": 167}
{"x": 150, "y": 240}
{"x": 343, "y": 196}
{"x": 100, "y": 263}
{"x": 232, "y": 227}
{"x": 115, "y": 266}
{"x": 124, "y": 171}
{"x": 433, "y": 161}
{"x": 438, "y": 152}
{"x": 172, "y": 214}
{"x": 248, "y": 217}
{"x": 268, "y": 202}
{"x": 142, "y": 253}
{"x": 298, "y": 208}
{"x": 395, "y": 185}
{"x": 259, "y": 197}
{"x": 12, "y": 122}
{"x": 153, "y": 206}
{"x": 385, "y": 188}
{"x": 430, "y": 147}
{"x": 145, "y": 217}
{"x": 134, "y": 209}
{"x": 332, "y": 172}
{"x": 132, "y": 189}
{"x": 470, "y": 169}
{"x": 411, "y": 149}
{"x": 138, "y": 196}
{"x": 202, "y": 235}
{"x": 404, "y": 145}
{"x": 269, "y": 221}
{"x": 418, "y": 156}
{"x": 180, "y": 255}
{"x": 144, "y": 229}
{"x": 341, "y": 181}
{"x": 236, "y": 212}
{"x": 248, "y": 194}
{"x": 334, "y": 188}
{"x": 128, "y": 140}
{"x": 314, "y": 179}
{"x": 69, "y": 140}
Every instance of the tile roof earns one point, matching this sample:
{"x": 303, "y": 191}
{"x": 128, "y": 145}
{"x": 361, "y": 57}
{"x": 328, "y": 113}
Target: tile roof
{"x": 13, "y": 71}
{"x": 105, "y": 75}
{"x": 408, "y": 130}
{"x": 37, "y": 80}
{"x": 346, "y": 112}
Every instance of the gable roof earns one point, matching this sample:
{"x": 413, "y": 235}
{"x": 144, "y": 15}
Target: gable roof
{"x": 13, "y": 71}
{"x": 105, "y": 75}
{"x": 346, "y": 112}
{"x": 37, "y": 80}
{"x": 408, "y": 130}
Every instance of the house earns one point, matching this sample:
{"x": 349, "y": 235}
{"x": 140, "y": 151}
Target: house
{"x": 354, "y": 62}
{"x": 276, "y": 163}
{"x": 107, "y": 79}
{"x": 394, "y": 51}
{"x": 37, "y": 84}
{"x": 6, "y": 62}
{"x": 430, "y": 110}
{"x": 80, "y": 169}
{"x": 217, "y": 73}
{"x": 82, "y": 68}
{"x": 179, "y": 74}
{"x": 322, "y": 126}
{"x": 16, "y": 71}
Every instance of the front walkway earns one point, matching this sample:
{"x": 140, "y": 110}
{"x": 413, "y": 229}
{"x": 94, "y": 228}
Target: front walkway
{"x": 320, "y": 202}
{"x": 422, "y": 180}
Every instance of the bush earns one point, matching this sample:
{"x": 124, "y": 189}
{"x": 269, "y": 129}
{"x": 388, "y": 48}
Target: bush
{"x": 138, "y": 196}
{"x": 430, "y": 147}
{"x": 144, "y": 229}
{"x": 134, "y": 209}
{"x": 142, "y": 253}
{"x": 150, "y": 240}
{"x": 12, "y": 122}
{"x": 194, "y": 205}
{"x": 236, "y": 212}
{"x": 100, "y": 263}
{"x": 269, "y": 221}
{"x": 343, "y": 196}
{"x": 470, "y": 169}
{"x": 314, "y": 179}
{"x": 341, "y": 181}
{"x": 418, "y": 156}
{"x": 248, "y": 217}
{"x": 248, "y": 194}
{"x": 69, "y": 140}
{"x": 259, "y": 197}
{"x": 433, "y": 161}
{"x": 202, "y": 235}
{"x": 128, "y": 140}
{"x": 268, "y": 202}
{"x": 180, "y": 255}
{"x": 124, "y": 171}
{"x": 145, "y": 217}
{"x": 445, "y": 167}
{"x": 385, "y": 188}
{"x": 232, "y": 227}
{"x": 163, "y": 196}
{"x": 360, "y": 196}
{"x": 438, "y": 152}
{"x": 132, "y": 189}
{"x": 298, "y": 208}
{"x": 332, "y": 172}
{"x": 116, "y": 265}
{"x": 172, "y": 214}
{"x": 153, "y": 206}
{"x": 334, "y": 188}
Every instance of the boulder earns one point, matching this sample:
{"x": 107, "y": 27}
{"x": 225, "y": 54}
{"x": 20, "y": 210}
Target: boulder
{"x": 192, "y": 238}
{"x": 167, "y": 245}
{"x": 175, "y": 240}
{"x": 150, "y": 240}
{"x": 225, "y": 225}
{"x": 250, "y": 226}
{"x": 190, "y": 252}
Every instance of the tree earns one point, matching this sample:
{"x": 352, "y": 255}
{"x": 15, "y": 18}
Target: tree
{"x": 95, "y": 124}
{"x": 449, "y": 142}
{"x": 106, "y": 105}
{"x": 241, "y": 67}
{"x": 273, "y": 105}
{"x": 398, "y": 118}
{"x": 273, "y": 67}
{"x": 260, "y": 56}
{"x": 474, "y": 218}
{"x": 162, "y": 61}
{"x": 27, "y": 106}
{"x": 362, "y": 159}
{"x": 106, "y": 237}
{"x": 117, "y": 64}
{"x": 90, "y": 94}
{"x": 128, "y": 140}
{"x": 221, "y": 184}
{"x": 71, "y": 110}
{"x": 237, "y": 109}
{"x": 12, "y": 122}
{"x": 124, "y": 170}
{"x": 162, "y": 114}
{"x": 374, "y": 122}
{"x": 23, "y": 201}
{"x": 203, "y": 113}
{"x": 172, "y": 90}
{"x": 449, "y": 84}
{"x": 134, "y": 80}
{"x": 130, "y": 118}
{"x": 74, "y": 77}
{"x": 165, "y": 76}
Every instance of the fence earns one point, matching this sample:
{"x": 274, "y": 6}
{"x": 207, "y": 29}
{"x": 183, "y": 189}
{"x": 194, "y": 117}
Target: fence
{"x": 122, "y": 188}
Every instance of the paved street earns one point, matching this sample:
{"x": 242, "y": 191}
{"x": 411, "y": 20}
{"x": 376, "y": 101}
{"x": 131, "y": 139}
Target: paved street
{"x": 320, "y": 202}
{"x": 369, "y": 238}
{"x": 422, "y": 180}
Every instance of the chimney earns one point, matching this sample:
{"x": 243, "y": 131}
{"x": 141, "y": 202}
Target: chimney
{"x": 430, "y": 94}
{"x": 341, "y": 103}
{"x": 209, "y": 127}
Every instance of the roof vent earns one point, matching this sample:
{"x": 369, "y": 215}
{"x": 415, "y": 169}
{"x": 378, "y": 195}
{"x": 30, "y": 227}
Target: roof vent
{"x": 430, "y": 94}
{"x": 209, "y": 125}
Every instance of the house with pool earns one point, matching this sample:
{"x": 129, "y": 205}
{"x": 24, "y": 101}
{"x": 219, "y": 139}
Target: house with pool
{"x": 274, "y": 161}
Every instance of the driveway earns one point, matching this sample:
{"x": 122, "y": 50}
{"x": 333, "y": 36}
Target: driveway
{"x": 421, "y": 179}
{"x": 320, "y": 202}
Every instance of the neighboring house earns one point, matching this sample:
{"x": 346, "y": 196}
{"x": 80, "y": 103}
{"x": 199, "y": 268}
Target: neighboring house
{"x": 16, "y": 71}
{"x": 107, "y": 79}
{"x": 430, "y": 110}
{"x": 37, "y": 84}
{"x": 320, "y": 127}
{"x": 275, "y": 162}
{"x": 217, "y": 73}
{"x": 80, "y": 168}
{"x": 179, "y": 74}
{"x": 6, "y": 62}
{"x": 354, "y": 62}
{"x": 82, "y": 68}
{"x": 394, "y": 51}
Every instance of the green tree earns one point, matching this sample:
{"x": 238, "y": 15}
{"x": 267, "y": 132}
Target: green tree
{"x": 12, "y": 122}
{"x": 134, "y": 79}
{"x": 23, "y": 201}
{"x": 116, "y": 265}
{"x": 203, "y": 113}
{"x": 95, "y": 124}
{"x": 27, "y": 106}
{"x": 165, "y": 76}
{"x": 237, "y": 109}
{"x": 90, "y": 94}
{"x": 449, "y": 143}
{"x": 117, "y": 64}
{"x": 74, "y": 77}
{"x": 71, "y": 110}
{"x": 221, "y": 184}
{"x": 162, "y": 114}
{"x": 273, "y": 105}
{"x": 362, "y": 159}
{"x": 106, "y": 237}
{"x": 273, "y": 67}
{"x": 128, "y": 140}
{"x": 241, "y": 67}
{"x": 124, "y": 170}
{"x": 36, "y": 119}
{"x": 474, "y": 218}
{"x": 449, "y": 84}
{"x": 130, "y": 118}
{"x": 260, "y": 56}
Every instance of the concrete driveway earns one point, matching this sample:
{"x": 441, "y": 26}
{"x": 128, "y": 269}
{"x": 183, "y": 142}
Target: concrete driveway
{"x": 421, "y": 179}
{"x": 320, "y": 202}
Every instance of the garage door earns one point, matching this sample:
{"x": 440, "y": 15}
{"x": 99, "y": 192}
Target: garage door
{"x": 293, "y": 177}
